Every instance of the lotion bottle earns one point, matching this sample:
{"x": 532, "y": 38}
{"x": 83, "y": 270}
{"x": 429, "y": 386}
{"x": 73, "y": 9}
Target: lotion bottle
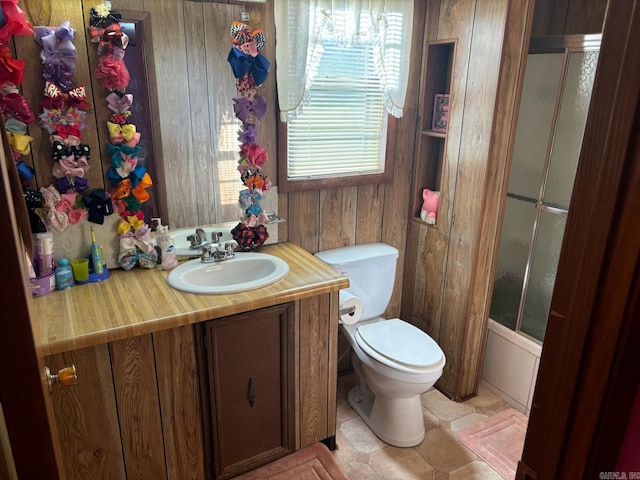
{"x": 168, "y": 258}
{"x": 96, "y": 255}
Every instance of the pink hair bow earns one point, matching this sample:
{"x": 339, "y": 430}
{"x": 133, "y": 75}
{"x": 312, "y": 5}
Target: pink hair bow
{"x": 119, "y": 104}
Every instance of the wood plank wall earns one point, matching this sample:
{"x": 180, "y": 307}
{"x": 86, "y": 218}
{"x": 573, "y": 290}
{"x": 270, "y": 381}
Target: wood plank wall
{"x": 195, "y": 87}
{"x": 450, "y": 267}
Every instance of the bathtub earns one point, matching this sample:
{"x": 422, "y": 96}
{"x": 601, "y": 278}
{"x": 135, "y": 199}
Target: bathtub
{"x": 510, "y": 368}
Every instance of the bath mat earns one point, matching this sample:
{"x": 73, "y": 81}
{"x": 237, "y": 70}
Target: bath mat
{"x": 314, "y": 462}
{"x": 498, "y": 440}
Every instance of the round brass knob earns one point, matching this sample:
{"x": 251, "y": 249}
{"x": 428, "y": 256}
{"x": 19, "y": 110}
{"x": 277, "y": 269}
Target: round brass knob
{"x": 66, "y": 377}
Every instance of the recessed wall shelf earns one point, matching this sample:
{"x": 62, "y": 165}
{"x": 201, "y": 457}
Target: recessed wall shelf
{"x": 430, "y": 161}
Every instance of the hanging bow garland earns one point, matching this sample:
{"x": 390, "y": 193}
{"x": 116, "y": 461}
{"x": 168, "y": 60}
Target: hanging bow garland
{"x": 250, "y": 68}
{"x": 129, "y": 181}
{"x": 15, "y": 110}
{"x": 63, "y": 114}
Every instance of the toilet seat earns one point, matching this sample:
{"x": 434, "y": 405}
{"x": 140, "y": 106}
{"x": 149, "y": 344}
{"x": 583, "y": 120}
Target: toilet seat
{"x": 400, "y": 345}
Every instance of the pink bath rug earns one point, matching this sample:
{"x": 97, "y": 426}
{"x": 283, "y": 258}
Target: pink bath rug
{"x": 498, "y": 440}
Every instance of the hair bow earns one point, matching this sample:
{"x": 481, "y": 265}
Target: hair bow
{"x": 25, "y": 171}
{"x": 131, "y": 257}
{"x": 16, "y": 126}
{"x": 137, "y": 236}
{"x": 100, "y": 16}
{"x": 119, "y": 103}
{"x": 241, "y": 35}
{"x": 20, "y": 143}
{"x": 125, "y": 189}
{"x": 247, "y": 111}
{"x": 64, "y": 184}
{"x": 120, "y": 133}
{"x": 249, "y": 237}
{"x": 69, "y": 132}
{"x": 109, "y": 39}
{"x": 15, "y": 105}
{"x": 62, "y": 150}
{"x": 99, "y": 205}
{"x": 70, "y": 167}
{"x": 118, "y": 151}
{"x": 11, "y": 69}
{"x": 243, "y": 64}
{"x": 57, "y": 45}
{"x": 57, "y": 121}
{"x": 15, "y": 22}
{"x": 56, "y": 98}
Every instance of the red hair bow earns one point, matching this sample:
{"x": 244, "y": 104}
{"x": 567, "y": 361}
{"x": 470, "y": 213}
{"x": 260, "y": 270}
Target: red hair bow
{"x": 55, "y": 97}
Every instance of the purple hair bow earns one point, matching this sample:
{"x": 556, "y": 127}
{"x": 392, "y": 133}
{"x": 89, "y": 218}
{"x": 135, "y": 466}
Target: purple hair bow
{"x": 64, "y": 184}
{"x": 57, "y": 44}
{"x": 243, "y": 108}
{"x": 119, "y": 104}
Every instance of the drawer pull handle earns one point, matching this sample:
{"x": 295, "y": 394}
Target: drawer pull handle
{"x": 252, "y": 392}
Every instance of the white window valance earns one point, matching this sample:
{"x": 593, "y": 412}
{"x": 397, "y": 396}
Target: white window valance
{"x": 304, "y": 26}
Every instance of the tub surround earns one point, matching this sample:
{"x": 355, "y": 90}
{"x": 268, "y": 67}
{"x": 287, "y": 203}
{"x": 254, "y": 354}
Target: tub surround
{"x": 141, "y": 301}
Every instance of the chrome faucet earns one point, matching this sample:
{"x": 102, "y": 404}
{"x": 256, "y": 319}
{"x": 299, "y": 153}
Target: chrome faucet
{"x": 211, "y": 253}
{"x": 199, "y": 239}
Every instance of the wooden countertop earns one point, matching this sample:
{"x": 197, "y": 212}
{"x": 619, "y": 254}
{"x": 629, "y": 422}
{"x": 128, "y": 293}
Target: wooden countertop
{"x": 140, "y": 301}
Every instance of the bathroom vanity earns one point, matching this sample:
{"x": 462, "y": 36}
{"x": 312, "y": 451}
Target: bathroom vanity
{"x": 174, "y": 385}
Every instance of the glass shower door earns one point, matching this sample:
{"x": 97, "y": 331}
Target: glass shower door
{"x": 553, "y": 112}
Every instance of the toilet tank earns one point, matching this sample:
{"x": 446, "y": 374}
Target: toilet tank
{"x": 371, "y": 269}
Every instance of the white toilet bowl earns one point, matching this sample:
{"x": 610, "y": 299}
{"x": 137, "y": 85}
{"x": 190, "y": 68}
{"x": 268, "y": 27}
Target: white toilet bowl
{"x": 395, "y": 363}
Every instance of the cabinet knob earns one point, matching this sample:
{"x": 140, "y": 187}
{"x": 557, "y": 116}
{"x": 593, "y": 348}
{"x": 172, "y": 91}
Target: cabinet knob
{"x": 66, "y": 377}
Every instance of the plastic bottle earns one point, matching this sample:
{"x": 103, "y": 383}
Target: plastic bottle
{"x": 64, "y": 275}
{"x": 168, "y": 258}
{"x": 44, "y": 249}
{"x": 96, "y": 255}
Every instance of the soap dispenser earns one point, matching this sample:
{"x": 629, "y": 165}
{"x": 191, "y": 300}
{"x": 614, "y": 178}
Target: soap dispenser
{"x": 168, "y": 258}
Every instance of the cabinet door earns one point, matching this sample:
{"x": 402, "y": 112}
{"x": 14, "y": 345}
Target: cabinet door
{"x": 250, "y": 370}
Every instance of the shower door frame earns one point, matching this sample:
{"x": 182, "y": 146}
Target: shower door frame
{"x": 565, "y": 44}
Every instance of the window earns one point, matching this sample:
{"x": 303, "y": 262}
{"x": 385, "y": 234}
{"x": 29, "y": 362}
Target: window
{"x": 336, "y": 94}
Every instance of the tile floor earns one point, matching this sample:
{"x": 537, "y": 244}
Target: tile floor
{"x": 440, "y": 456}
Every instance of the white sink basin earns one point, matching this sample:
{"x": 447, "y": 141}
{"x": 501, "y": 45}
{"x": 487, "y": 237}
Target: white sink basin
{"x": 247, "y": 271}
{"x": 183, "y": 245}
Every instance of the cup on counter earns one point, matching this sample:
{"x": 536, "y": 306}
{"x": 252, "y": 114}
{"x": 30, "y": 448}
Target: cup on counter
{"x": 80, "y": 267}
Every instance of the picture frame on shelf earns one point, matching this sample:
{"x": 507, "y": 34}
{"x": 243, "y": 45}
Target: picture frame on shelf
{"x": 440, "y": 112}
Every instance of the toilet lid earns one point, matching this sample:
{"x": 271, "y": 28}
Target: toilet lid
{"x": 400, "y": 342}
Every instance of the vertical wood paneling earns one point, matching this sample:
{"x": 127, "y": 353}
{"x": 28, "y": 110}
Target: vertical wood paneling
{"x": 89, "y": 436}
{"x": 396, "y": 194}
{"x": 481, "y": 94}
{"x": 314, "y": 367}
{"x": 136, "y": 391}
{"x": 304, "y": 227}
{"x": 509, "y": 85}
{"x": 204, "y": 134}
{"x": 177, "y": 371}
{"x": 369, "y": 213}
{"x": 338, "y": 217}
{"x": 172, "y": 76}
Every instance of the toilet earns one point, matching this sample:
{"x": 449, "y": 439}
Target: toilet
{"x": 394, "y": 361}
